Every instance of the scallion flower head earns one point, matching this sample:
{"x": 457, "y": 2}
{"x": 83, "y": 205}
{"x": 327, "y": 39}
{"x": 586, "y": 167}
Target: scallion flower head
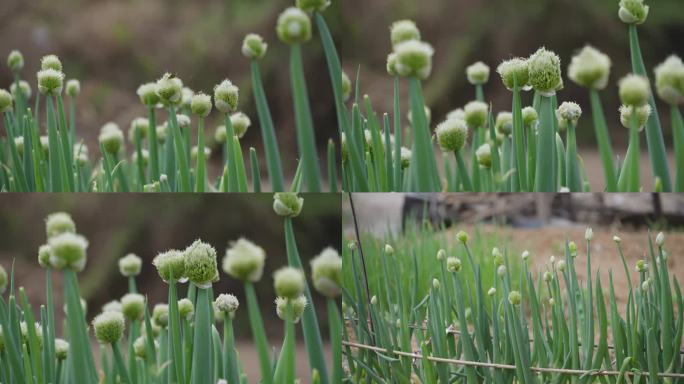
{"x": 453, "y": 264}
{"x": 346, "y": 87}
{"x": 491, "y": 291}
{"x": 414, "y": 59}
{"x": 545, "y": 72}
{"x": 169, "y": 89}
{"x": 133, "y": 306}
{"x": 514, "y": 298}
{"x": 200, "y": 264}
{"x": 148, "y": 94}
{"x": 24, "y": 89}
{"x": 326, "y": 273}
{"x": 130, "y": 265}
{"x": 139, "y": 125}
{"x": 61, "y": 349}
{"x": 68, "y": 250}
{"x": 462, "y": 237}
{"x": 288, "y": 282}
{"x": 109, "y": 327}
{"x": 529, "y": 115}
{"x": 185, "y": 308}
{"x": 73, "y": 87}
{"x": 514, "y": 72}
{"x": 226, "y": 96}
{"x": 392, "y": 64}
{"x": 58, "y": 223}
{"x": 313, "y": 5}
{"x": 244, "y": 260}
{"x": 44, "y": 256}
{"x": 293, "y": 26}
{"x": 254, "y": 46}
{"x": 568, "y": 113}
{"x": 111, "y": 138}
{"x": 50, "y": 81}
{"x": 590, "y": 68}
{"x": 634, "y": 90}
{"x": 642, "y": 113}
{"x": 484, "y": 155}
{"x": 170, "y": 263}
{"x": 641, "y": 266}
{"x": 405, "y": 157}
{"x": 669, "y": 80}
{"x": 477, "y": 73}
{"x": 15, "y": 61}
{"x": 298, "y": 306}
{"x": 660, "y": 239}
{"x": 160, "y": 315}
{"x": 227, "y": 303}
{"x": 504, "y": 123}
{"x": 201, "y": 104}
{"x": 633, "y": 11}
{"x": 476, "y": 114}
{"x": 403, "y": 30}
{"x": 240, "y": 123}
{"x": 287, "y": 204}
{"x": 5, "y": 101}
{"x": 452, "y": 134}
{"x": 51, "y": 62}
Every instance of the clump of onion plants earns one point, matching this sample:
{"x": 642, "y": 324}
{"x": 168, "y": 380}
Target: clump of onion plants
{"x": 528, "y": 155}
{"x": 164, "y": 153}
{"x": 174, "y": 341}
{"x": 448, "y": 319}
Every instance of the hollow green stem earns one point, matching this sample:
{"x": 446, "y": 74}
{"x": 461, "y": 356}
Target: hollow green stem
{"x": 519, "y": 141}
{"x": 544, "y": 180}
{"x": 605, "y": 148}
{"x": 259, "y": 334}
{"x": 572, "y": 175}
{"x": 678, "y": 134}
{"x": 201, "y": 173}
{"x": 153, "y": 144}
{"x": 202, "y": 370}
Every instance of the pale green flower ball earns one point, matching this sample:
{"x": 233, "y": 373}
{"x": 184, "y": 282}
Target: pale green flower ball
{"x": 642, "y": 114}
{"x": 453, "y": 264}
{"x": 414, "y": 59}
{"x": 170, "y": 263}
{"x": 200, "y": 264}
{"x": 504, "y": 123}
{"x": 195, "y": 150}
{"x": 169, "y": 89}
{"x": 148, "y": 94}
{"x": 24, "y": 89}
{"x": 514, "y": 298}
{"x": 68, "y": 250}
{"x": 240, "y": 123}
{"x": 112, "y": 306}
{"x": 160, "y": 315}
{"x": 227, "y": 304}
{"x": 288, "y": 282}
{"x": 590, "y": 68}
{"x": 514, "y": 72}
{"x": 15, "y": 61}
{"x": 5, "y": 101}
{"x": 298, "y": 306}
{"x": 313, "y": 5}
{"x": 111, "y": 138}
{"x": 226, "y": 96}
{"x": 58, "y": 223}
{"x": 484, "y": 155}
{"x": 452, "y": 135}
{"x": 326, "y": 272}
{"x": 51, "y": 62}
{"x": 44, "y": 255}
{"x": 404, "y": 157}
{"x": 140, "y": 347}
{"x": 293, "y": 26}
{"x": 529, "y": 115}
{"x": 185, "y": 308}
{"x": 133, "y": 306}
{"x": 462, "y": 237}
{"x": 186, "y": 97}
{"x": 73, "y": 87}
{"x": 50, "y": 81}
{"x": 244, "y": 260}
{"x": 109, "y": 327}
{"x": 139, "y": 126}
{"x": 61, "y": 349}
{"x": 568, "y": 113}
{"x": 477, "y": 73}
{"x": 633, "y": 11}
{"x": 130, "y": 265}
{"x": 346, "y": 87}
{"x": 476, "y": 114}
{"x": 545, "y": 72}
{"x": 634, "y": 90}
{"x": 669, "y": 80}
{"x": 200, "y": 104}
{"x": 403, "y": 30}
{"x": 287, "y": 204}
{"x": 392, "y": 64}
{"x": 254, "y": 46}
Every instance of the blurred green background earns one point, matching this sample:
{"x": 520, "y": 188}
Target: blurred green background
{"x": 117, "y": 224}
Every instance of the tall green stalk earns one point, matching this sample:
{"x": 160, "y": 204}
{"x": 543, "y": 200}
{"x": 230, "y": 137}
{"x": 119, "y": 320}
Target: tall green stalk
{"x": 678, "y": 134}
{"x": 423, "y": 166}
{"x": 259, "y": 334}
{"x": 519, "y": 141}
{"x": 202, "y": 370}
{"x": 544, "y": 180}
{"x": 201, "y": 172}
{"x": 605, "y": 148}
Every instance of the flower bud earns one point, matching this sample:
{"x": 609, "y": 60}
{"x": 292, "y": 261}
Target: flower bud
{"x": 293, "y": 26}
{"x": 288, "y": 282}
{"x": 389, "y": 250}
{"x": 140, "y": 347}
{"x": 545, "y": 72}
{"x": 109, "y": 327}
{"x": 567, "y": 114}
{"x": 130, "y": 265}
{"x": 200, "y": 264}
{"x": 462, "y": 237}
{"x": 634, "y": 90}
{"x": 201, "y": 104}
{"x": 50, "y": 81}
{"x": 133, "y": 306}
{"x": 59, "y": 222}
{"x": 44, "y": 256}
{"x": 254, "y": 46}
{"x": 24, "y": 89}
{"x": 529, "y": 115}
{"x": 160, "y": 315}
{"x": 646, "y": 284}
{"x": 435, "y": 284}
{"x": 171, "y": 262}
{"x": 633, "y": 11}
{"x": 5, "y": 101}
{"x": 148, "y": 94}
{"x": 298, "y": 306}
{"x": 660, "y": 239}
{"x": 51, "y": 62}
{"x": 414, "y": 59}
{"x": 226, "y": 96}
{"x": 514, "y": 72}
{"x": 590, "y": 68}
{"x": 73, "y": 87}
{"x": 15, "y": 61}
{"x": 504, "y": 123}
{"x": 525, "y": 255}
{"x": 501, "y": 271}
{"x": 572, "y": 248}
{"x": 61, "y": 349}
{"x": 186, "y": 98}
{"x": 287, "y": 204}
{"x": 68, "y": 250}
{"x": 392, "y": 64}
{"x": 641, "y": 266}
{"x": 642, "y": 114}
{"x": 240, "y": 123}
{"x": 457, "y": 113}
{"x": 111, "y": 138}
{"x": 617, "y": 239}
{"x": 114, "y": 305}
{"x": 374, "y": 300}
{"x": 453, "y": 264}
{"x": 405, "y": 157}
{"x": 548, "y": 276}
{"x": 491, "y": 291}
{"x": 313, "y": 5}
{"x": 669, "y": 80}
{"x": 346, "y": 87}
{"x": 477, "y": 73}
{"x": 484, "y": 155}
{"x": 185, "y": 308}
{"x": 588, "y": 234}
{"x": 514, "y": 298}
{"x": 403, "y": 30}
{"x": 561, "y": 265}
{"x": 551, "y": 301}
{"x": 452, "y": 135}
{"x": 441, "y": 255}
{"x": 326, "y": 273}
{"x": 139, "y": 125}
{"x": 476, "y": 114}
{"x": 169, "y": 89}
{"x": 227, "y": 303}
{"x": 244, "y": 260}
